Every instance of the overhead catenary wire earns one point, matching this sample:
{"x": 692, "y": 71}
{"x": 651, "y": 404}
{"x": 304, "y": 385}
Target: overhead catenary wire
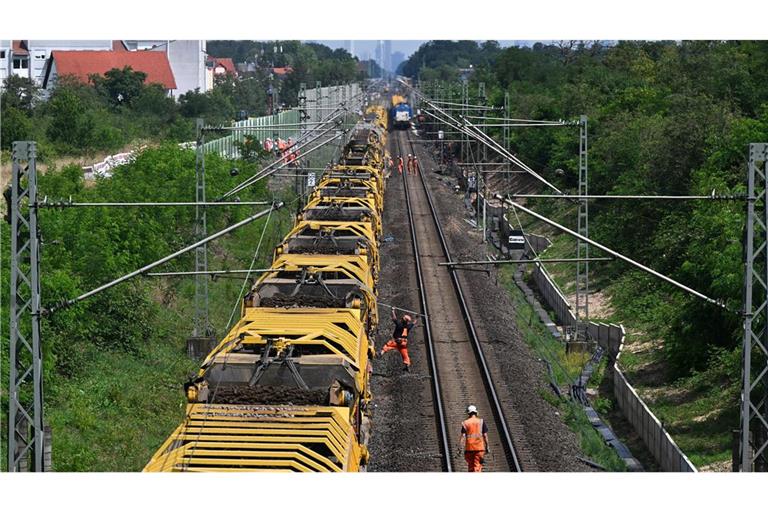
{"x": 518, "y": 120}
{"x": 70, "y": 204}
{"x": 272, "y": 168}
{"x": 165, "y": 259}
{"x": 207, "y": 272}
{"x": 710, "y": 197}
{"x": 616, "y": 254}
{"x": 489, "y": 142}
{"x": 466, "y": 127}
{"x": 508, "y": 262}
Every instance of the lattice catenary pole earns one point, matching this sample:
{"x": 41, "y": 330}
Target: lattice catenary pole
{"x": 582, "y": 248}
{"x": 753, "y": 442}
{"x": 25, "y": 411}
{"x": 201, "y": 325}
{"x": 303, "y": 117}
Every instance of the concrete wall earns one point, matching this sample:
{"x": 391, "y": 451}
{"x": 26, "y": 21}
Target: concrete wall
{"x": 611, "y": 338}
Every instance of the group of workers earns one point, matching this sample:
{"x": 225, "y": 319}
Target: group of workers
{"x": 474, "y": 431}
{"x": 283, "y": 149}
{"x": 411, "y": 165}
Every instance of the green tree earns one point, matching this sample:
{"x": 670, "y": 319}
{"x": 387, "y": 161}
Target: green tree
{"x": 19, "y": 93}
{"x": 214, "y": 106}
{"x": 16, "y": 125}
{"x": 120, "y": 86}
{"x": 71, "y": 124}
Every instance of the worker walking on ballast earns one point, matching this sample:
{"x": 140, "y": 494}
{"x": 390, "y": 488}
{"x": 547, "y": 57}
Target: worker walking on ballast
{"x": 400, "y": 164}
{"x": 474, "y": 440}
{"x": 399, "y": 341}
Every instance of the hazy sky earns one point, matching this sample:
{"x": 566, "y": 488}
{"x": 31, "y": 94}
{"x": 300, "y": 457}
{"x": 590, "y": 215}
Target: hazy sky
{"x": 406, "y": 46}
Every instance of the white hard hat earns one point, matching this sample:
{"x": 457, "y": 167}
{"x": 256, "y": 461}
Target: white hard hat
{"x": 471, "y": 409}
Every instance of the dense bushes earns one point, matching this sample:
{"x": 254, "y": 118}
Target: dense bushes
{"x": 86, "y": 247}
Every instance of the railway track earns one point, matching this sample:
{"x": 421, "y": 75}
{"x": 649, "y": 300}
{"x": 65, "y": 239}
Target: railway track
{"x": 456, "y": 360}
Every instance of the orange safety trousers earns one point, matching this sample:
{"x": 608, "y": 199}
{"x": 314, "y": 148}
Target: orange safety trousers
{"x": 401, "y": 345}
{"x": 474, "y": 461}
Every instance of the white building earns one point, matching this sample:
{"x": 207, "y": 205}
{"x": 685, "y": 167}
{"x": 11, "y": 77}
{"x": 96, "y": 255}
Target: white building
{"x": 28, "y": 58}
{"x": 187, "y": 58}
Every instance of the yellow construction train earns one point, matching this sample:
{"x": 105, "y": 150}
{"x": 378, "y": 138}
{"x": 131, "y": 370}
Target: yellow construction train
{"x": 287, "y": 389}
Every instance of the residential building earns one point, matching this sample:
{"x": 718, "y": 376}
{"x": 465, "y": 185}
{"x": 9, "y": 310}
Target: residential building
{"x": 187, "y": 59}
{"x": 32, "y": 58}
{"x": 81, "y": 64}
{"x": 5, "y": 59}
{"x": 218, "y": 66}
{"x": 29, "y": 58}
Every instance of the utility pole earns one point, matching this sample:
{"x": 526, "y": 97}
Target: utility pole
{"x": 303, "y": 122}
{"x": 201, "y": 326}
{"x": 505, "y": 130}
{"x": 481, "y": 101}
{"x": 753, "y": 442}
{"x": 26, "y": 434}
{"x": 464, "y": 136}
{"x": 582, "y": 248}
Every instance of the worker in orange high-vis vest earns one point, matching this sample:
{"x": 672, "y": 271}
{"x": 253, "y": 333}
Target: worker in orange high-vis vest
{"x": 409, "y": 165}
{"x": 415, "y": 165}
{"x": 400, "y": 164}
{"x": 399, "y": 341}
{"x": 474, "y": 440}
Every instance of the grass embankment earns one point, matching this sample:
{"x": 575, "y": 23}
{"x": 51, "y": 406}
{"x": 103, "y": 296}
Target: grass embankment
{"x": 699, "y": 410}
{"x": 565, "y": 368}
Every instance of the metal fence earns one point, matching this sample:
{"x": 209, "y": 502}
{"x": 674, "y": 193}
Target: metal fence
{"x": 283, "y": 125}
{"x": 611, "y": 338}
{"x": 323, "y": 100}
{"x": 320, "y": 102}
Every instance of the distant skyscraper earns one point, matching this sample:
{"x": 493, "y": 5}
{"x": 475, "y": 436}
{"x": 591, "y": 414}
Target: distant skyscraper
{"x": 396, "y": 59}
{"x": 350, "y": 47}
{"x": 388, "y": 55}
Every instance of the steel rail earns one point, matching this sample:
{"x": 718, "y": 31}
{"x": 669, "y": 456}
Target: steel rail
{"x": 506, "y": 436}
{"x": 430, "y": 344}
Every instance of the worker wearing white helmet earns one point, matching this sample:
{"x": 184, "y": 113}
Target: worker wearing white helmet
{"x": 474, "y": 440}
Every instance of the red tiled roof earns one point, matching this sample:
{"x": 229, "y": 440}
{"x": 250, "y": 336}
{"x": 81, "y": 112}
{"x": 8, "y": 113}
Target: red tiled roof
{"x": 226, "y": 63}
{"x": 83, "y": 63}
{"x": 282, "y": 71}
{"x": 19, "y": 48}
